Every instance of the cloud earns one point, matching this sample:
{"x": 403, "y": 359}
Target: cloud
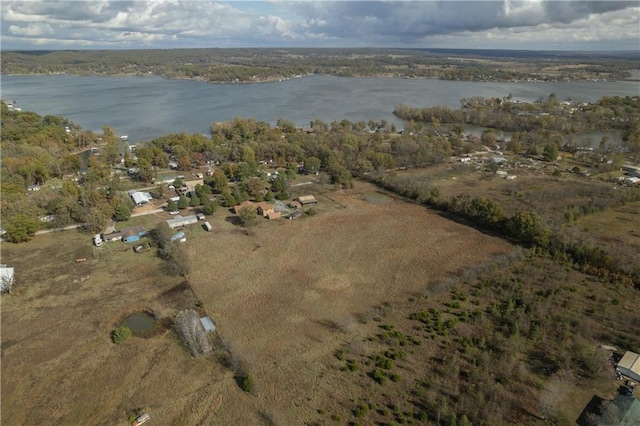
{"x": 177, "y": 23}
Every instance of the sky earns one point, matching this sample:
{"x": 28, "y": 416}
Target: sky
{"x": 506, "y": 24}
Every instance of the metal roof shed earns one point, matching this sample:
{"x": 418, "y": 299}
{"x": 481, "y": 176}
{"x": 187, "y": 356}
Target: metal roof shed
{"x": 629, "y": 366}
{"x": 208, "y": 325}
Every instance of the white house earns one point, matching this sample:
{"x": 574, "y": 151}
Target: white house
{"x": 140, "y": 198}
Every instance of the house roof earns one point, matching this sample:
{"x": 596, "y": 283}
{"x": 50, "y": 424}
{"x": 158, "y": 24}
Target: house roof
{"x": 140, "y": 197}
{"x": 630, "y": 361}
{"x": 132, "y": 230}
{"x": 177, "y": 236}
{"x": 182, "y": 220}
{"x": 306, "y": 199}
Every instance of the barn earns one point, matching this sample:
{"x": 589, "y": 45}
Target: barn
{"x": 629, "y": 366}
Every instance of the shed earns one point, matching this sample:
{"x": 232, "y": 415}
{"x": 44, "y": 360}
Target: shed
{"x": 133, "y": 233}
{"x": 32, "y": 188}
{"x": 629, "y": 366}
{"x": 208, "y": 324}
{"x": 179, "y": 221}
{"x": 274, "y": 215}
{"x": 6, "y": 278}
{"x": 207, "y": 226}
{"x": 200, "y": 216}
{"x": 307, "y": 199}
{"x": 180, "y": 236}
{"x": 295, "y": 204}
{"x": 295, "y": 214}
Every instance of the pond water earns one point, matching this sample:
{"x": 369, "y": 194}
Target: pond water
{"x": 376, "y": 198}
{"x": 140, "y": 323}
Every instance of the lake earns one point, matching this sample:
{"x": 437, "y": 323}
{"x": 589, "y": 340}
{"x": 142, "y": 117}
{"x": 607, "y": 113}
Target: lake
{"x": 147, "y": 107}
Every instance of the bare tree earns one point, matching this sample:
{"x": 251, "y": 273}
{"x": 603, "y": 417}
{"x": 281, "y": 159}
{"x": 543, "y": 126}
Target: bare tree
{"x": 553, "y": 393}
{"x": 192, "y": 332}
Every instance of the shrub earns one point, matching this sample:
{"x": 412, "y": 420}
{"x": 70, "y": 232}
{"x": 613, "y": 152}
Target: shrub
{"x": 247, "y": 383}
{"x": 120, "y": 334}
{"x": 361, "y": 410}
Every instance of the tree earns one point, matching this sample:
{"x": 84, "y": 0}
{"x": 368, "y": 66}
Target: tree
{"x": 120, "y": 334}
{"x": 21, "y": 228}
{"x": 248, "y": 216}
{"x": 208, "y": 206}
{"x": 195, "y": 201}
{"x": 550, "y": 152}
{"x": 312, "y": 164}
{"x": 96, "y": 219}
{"x": 527, "y": 227}
{"x": 172, "y": 206}
{"x": 122, "y": 212}
{"x": 192, "y": 332}
{"x": 183, "y": 202}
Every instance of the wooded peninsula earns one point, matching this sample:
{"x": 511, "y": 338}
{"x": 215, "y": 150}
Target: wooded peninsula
{"x": 258, "y": 65}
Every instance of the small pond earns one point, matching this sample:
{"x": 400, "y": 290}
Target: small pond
{"x": 140, "y": 323}
{"x": 376, "y": 197}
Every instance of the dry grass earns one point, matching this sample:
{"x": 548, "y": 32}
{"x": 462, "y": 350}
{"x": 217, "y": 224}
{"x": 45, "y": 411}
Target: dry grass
{"x": 284, "y": 295}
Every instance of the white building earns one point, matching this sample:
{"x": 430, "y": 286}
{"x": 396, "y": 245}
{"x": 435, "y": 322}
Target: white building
{"x": 140, "y": 198}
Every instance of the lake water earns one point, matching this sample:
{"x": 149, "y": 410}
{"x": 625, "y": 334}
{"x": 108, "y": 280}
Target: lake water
{"x": 147, "y": 107}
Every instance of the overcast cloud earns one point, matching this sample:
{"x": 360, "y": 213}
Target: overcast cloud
{"x": 507, "y": 24}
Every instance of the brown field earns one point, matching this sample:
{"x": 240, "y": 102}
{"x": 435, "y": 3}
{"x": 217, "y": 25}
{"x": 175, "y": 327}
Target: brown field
{"x": 617, "y": 226}
{"x": 285, "y": 295}
{"x": 290, "y": 293}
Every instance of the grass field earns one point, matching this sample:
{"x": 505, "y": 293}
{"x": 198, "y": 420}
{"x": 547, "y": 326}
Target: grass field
{"x": 284, "y": 294}
{"x": 287, "y": 294}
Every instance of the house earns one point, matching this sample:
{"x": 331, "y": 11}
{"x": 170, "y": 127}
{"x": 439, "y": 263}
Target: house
{"x": 140, "y": 198}
{"x": 132, "y": 233}
{"x": 274, "y": 215}
{"x": 180, "y": 236}
{"x": 629, "y": 366}
{"x": 264, "y": 209}
{"x": 179, "y": 221}
{"x": 112, "y": 236}
{"x": 32, "y": 188}
{"x": 207, "y": 226}
{"x": 6, "y": 278}
{"x": 307, "y": 199}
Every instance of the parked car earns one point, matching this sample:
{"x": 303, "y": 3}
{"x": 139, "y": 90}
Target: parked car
{"x": 626, "y": 390}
